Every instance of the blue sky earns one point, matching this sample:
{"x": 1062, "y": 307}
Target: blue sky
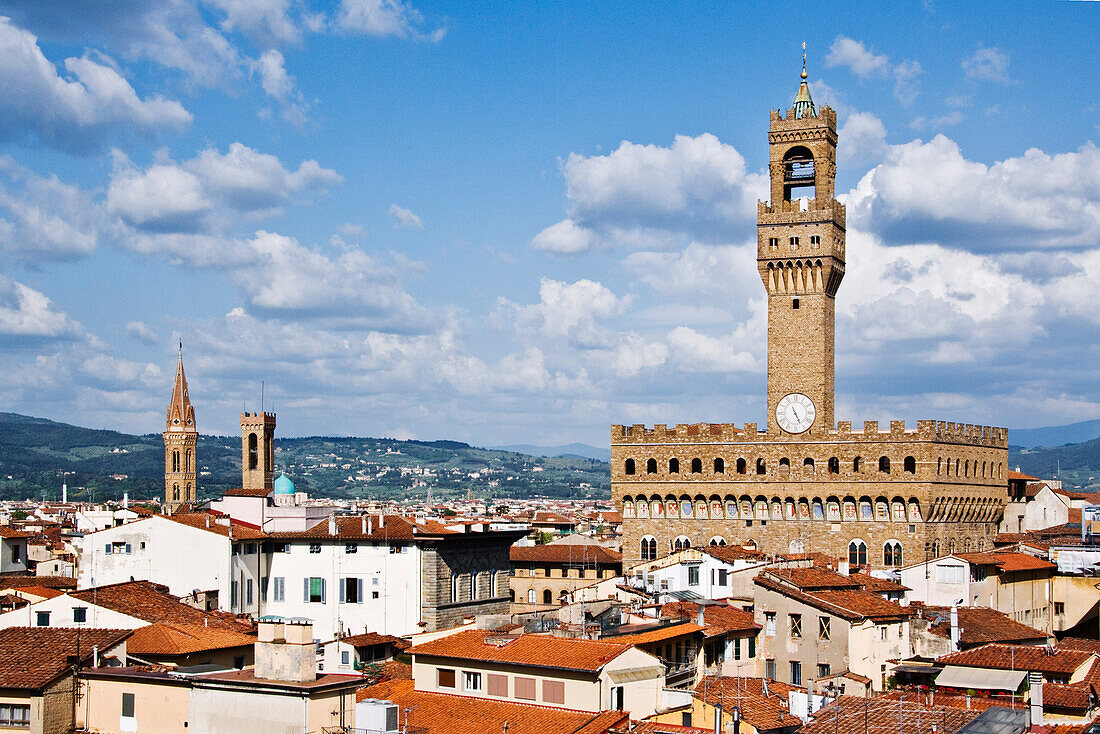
{"x": 516, "y": 222}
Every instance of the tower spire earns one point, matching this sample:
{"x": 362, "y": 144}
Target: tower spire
{"x": 180, "y": 441}
{"x": 181, "y": 414}
{"x": 803, "y": 102}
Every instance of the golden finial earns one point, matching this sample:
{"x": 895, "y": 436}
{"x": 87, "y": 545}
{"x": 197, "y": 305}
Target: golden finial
{"x": 804, "y": 60}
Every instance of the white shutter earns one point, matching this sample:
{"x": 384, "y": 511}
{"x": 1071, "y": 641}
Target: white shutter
{"x": 359, "y": 591}
{"x": 322, "y": 591}
{"x": 343, "y": 585}
{"x": 305, "y": 586}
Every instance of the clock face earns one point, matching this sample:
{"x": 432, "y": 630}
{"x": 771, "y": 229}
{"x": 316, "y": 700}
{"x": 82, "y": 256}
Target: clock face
{"x": 795, "y": 413}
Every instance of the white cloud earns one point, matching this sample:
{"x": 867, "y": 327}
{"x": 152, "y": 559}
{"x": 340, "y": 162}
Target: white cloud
{"x": 43, "y": 218}
{"x": 403, "y": 218}
{"x": 951, "y": 118}
{"x": 160, "y": 198}
{"x": 267, "y": 21}
{"x": 697, "y": 352}
{"x": 862, "y": 139}
{"x": 142, "y": 332}
{"x": 926, "y": 192}
{"x": 648, "y": 196}
{"x": 76, "y": 113}
{"x": 280, "y": 86}
{"x": 866, "y": 64}
{"x": 26, "y": 313}
{"x": 572, "y": 312}
{"x": 386, "y": 18}
{"x": 987, "y": 64}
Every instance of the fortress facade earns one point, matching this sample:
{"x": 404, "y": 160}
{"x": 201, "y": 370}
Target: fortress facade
{"x": 875, "y": 496}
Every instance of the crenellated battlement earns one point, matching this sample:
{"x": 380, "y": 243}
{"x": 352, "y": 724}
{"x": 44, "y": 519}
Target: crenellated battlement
{"x": 826, "y": 115}
{"x": 925, "y": 430}
{"x": 791, "y": 212}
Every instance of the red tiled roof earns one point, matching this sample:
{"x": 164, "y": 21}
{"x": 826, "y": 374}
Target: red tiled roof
{"x": 33, "y": 657}
{"x": 1024, "y": 562}
{"x": 43, "y": 591}
{"x": 859, "y": 715}
{"x": 152, "y": 603}
{"x": 718, "y": 618}
{"x": 813, "y": 579}
{"x": 6, "y": 532}
{"x": 980, "y": 625}
{"x": 164, "y": 638}
{"x": 542, "y": 651}
{"x": 731, "y": 553}
{"x": 849, "y": 604}
{"x": 248, "y": 677}
{"x": 1079, "y": 643}
{"x": 877, "y": 585}
{"x": 374, "y": 638}
{"x": 1071, "y": 696}
{"x": 760, "y": 711}
{"x": 659, "y": 727}
{"x": 442, "y": 713}
{"x": 1019, "y": 657}
{"x": 364, "y": 527}
{"x": 565, "y": 553}
{"x": 209, "y": 521}
{"x": 659, "y": 634}
{"x": 249, "y": 492}
{"x": 53, "y": 582}
{"x": 1021, "y": 475}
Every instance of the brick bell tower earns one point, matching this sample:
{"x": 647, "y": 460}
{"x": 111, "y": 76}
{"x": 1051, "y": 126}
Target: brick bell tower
{"x": 257, "y": 450}
{"x": 800, "y": 256}
{"x": 180, "y": 439}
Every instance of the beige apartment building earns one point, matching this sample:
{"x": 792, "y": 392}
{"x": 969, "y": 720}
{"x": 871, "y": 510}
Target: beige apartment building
{"x": 878, "y": 495}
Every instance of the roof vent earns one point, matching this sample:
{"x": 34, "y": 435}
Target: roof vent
{"x": 500, "y": 640}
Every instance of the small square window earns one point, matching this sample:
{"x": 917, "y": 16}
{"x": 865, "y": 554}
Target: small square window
{"x": 471, "y": 681}
{"x": 42, "y": 619}
{"x": 795, "y": 304}
{"x": 351, "y": 548}
{"x": 314, "y": 547}
{"x": 796, "y": 626}
{"x": 374, "y": 595}
{"x": 80, "y": 614}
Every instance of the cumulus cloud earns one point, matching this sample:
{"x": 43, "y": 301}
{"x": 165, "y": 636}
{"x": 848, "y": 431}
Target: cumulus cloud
{"x": 27, "y": 314}
{"x": 866, "y": 64}
{"x": 141, "y": 331}
{"x": 74, "y": 113}
{"x": 648, "y": 196}
{"x": 862, "y": 139}
{"x": 403, "y": 218}
{"x": 384, "y": 18}
{"x": 280, "y": 86}
{"x": 42, "y": 218}
{"x": 268, "y": 22}
{"x": 573, "y": 312}
{"x": 987, "y": 64}
{"x": 200, "y": 194}
{"x": 926, "y": 192}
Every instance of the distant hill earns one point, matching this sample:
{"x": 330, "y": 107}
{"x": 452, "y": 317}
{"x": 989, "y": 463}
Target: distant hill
{"x": 38, "y": 455}
{"x": 1055, "y": 435}
{"x": 1077, "y": 464}
{"x": 574, "y": 449}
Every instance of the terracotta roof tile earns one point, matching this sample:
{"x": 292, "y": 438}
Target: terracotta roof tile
{"x": 1024, "y": 562}
{"x": 812, "y": 579}
{"x": 442, "y": 713}
{"x": 210, "y": 522}
{"x": 1079, "y": 643}
{"x": 859, "y": 715}
{"x": 731, "y": 553}
{"x": 152, "y": 603}
{"x": 718, "y": 618}
{"x": 542, "y": 651}
{"x": 374, "y": 638}
{"x": 565, "y": 553}
{"x": 248, "y": 492}
{"x": 850, "y": 604}
{"x": 53, "y": 582}
{"x": 761, "y": 711}
{"x": 32, "y": 657}
{"x": 11, "y": 533}
{"x": 877, "y": 585}
{"x": 659, "y": 634}
{"x": 980, "y": 625}
{"x": 1019, "y": 657}
{"x": 44, "y": 592}
{"x": 165, "y": 638}
{"x": 1072, "y": 696}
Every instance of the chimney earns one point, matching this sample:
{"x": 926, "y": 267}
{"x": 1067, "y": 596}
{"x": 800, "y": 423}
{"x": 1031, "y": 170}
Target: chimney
{"x": 332, "y": 524}
{"x": 1035, "y": 681}
{"x": 65, "y": 493}
{"x": 843, "y": 568}
{"x": 363, "y": 519}
{"x": 700, "y": 615}
{"x": 381, "y": 520}
{"x": 285, "y": 651}
{"x": 126, "y": 500}
{"x": 954, "y": 628}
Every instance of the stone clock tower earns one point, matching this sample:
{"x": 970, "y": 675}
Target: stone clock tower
{"x": 800, "y": 256}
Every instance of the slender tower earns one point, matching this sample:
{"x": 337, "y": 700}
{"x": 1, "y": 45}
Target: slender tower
{"x": 257, "y": 450}
{"x": 800, "y": 256}
{"x": 180, "y": 439}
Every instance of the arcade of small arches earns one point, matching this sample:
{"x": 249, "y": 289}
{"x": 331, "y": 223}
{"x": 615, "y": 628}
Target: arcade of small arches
{"x": 648, "y": 548}
{"x": 177, "y": 465}
{"x": 969, "y": 468}
{"x": 831, "y": 508}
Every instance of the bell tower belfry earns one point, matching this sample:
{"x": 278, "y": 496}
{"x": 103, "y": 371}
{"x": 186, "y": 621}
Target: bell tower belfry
{"x": 181, "y": 437}
{"x": 800, "y": 256}
{"x": 257, "y": 450}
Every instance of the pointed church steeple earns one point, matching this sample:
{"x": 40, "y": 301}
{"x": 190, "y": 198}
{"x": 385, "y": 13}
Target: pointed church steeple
{"x": 181, "y": 415}
{"x": 180, "y": 441}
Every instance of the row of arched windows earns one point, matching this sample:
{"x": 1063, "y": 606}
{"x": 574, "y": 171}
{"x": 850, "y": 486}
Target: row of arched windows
{"x": 648, "y": 548}
{"x": 176, "y": 461}
{"x": 741, "y": 466}
{"x": 968, "y": 468}
{"x": 745, "y": 507}
{"x": 176, "y": 493}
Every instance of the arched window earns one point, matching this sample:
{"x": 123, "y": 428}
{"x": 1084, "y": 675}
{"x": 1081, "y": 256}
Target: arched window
{"x": 696, "y": 466}
{"x": 760, "y": 466}
{"x": 808, "y": 465}
{"x": 857, "y": 553}
{"x": 175, "y": 461}
{"x": 681, "y": 543}
{"x": 857, "y": 464}
{"x": 547, "y": 597}
{"x": 958, "y": 463}
{"x": 673, "y": 466}
{"x": 910, "y": 466}
{"x": 649, "y": 548}
{"x": 175, "y": 492}
{"x": 939, "y": 466}
{"x": 719, "y": 466}
{"x": 884, "y": 464}
{"x": 717, "y": 540}
{"x": 966, "y": 468}
{"x": 189, "y": 496}
{"x": 784, "y": 465}
{"x": 951, "y": 545}
{"x": 834, "y": 465}
{"x": 651, "y": 466}
{"x": 741, "y": 466}
{"x": 629, "y": 467}
{"x": 796, "y": 546}
{"x": 187, "y": 464}
{"x": 891, "y": 553}
{"x": 253, "y": 449}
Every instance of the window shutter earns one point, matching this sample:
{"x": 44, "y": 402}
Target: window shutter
{"x": 343, "y": 586}
{"x": 107, "y": 549}
{"x": 359, "y": 591}
{"x": 305, "y": 586}
{"x": 129, "y": 549}
{"x": 322, "y": 591}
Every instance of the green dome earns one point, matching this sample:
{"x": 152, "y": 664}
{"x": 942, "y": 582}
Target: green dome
{"x": 283, "y": 485}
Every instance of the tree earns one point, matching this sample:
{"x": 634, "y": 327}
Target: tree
{"x": 448, "y": 512}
